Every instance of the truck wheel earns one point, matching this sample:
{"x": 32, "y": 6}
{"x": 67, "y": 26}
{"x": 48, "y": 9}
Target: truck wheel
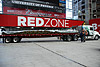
{"x": 96, "y": 37}
{"x": 69, "y": 38}
{"x": 64, "y": 39}
{"x": 16, "y": 39}
{"x": 75, "y": 38}
{"x": 8, "y": 39}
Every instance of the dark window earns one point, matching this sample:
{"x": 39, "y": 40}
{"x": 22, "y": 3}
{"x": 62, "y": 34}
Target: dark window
{"x": 91, "y": 28}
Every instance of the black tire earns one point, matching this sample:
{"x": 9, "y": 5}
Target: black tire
{"x": 64, "y": 39}
{"x": 96, "y": 37}
{"x": 8, "y": 40}
{"x": 69, "y": 38}
{"x": 75, "y": 38}
{"x": 16, "y": 39}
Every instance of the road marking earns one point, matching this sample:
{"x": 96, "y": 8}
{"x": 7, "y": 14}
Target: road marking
{"x": 61, "y": 55}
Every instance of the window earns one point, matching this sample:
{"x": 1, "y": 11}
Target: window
{"x": 91, "y": 28}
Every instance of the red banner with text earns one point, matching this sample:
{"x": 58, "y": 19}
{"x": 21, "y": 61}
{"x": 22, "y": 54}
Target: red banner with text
{"x": 20, "y": 11}
{"x": 30, "y": 21}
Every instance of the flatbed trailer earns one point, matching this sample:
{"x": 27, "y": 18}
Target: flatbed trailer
{"x": 52, "y": 27}
{"x": 17, "y": 37}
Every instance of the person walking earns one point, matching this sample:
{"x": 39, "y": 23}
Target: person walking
{"x": 3, "y": 39}
{"x": 0, "y": 34}
{"x": 82, "y": 35}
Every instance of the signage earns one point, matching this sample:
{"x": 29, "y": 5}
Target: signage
{"x": 31, "y": 4}
{"x": 62, "y": 1}
{"x": 41, "y": 22}
{"x": 52, "y": 2}
{"x": 30, "y": 21}
{"x": 20, "y": 11}
{"x": 96, "y": 24}
{"x": 55, "y": 2}
{"x": 62, "y": 4}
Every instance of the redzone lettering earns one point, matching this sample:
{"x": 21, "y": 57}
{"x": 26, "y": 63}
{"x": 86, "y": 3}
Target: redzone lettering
{"x": 41, "y": 22}
{"x": 95, "y": 26}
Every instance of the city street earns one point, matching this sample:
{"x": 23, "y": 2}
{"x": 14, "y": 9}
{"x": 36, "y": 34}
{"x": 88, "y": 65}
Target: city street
{"x": 24, "y": 24}
{"x": 50, "y": 52}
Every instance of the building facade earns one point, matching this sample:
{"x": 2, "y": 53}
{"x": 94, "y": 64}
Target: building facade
{"x": 86, "y": 9}
{"x": 0, "y": 6}
{"x": 69, "y": 9}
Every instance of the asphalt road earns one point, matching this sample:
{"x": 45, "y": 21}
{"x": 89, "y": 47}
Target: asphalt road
{"x": 50, "y": 52}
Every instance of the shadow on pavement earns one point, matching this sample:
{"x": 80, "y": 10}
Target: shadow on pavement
{"x": 97, "y": 49}
{"x": 89, "y": 40}
{"x": 41, "y": 41}
{"x": 53, "y": 41}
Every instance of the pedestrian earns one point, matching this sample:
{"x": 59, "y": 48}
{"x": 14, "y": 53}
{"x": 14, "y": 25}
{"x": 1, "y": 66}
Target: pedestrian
{"x": 0, "y": 34}
{"x": 86, "y": 33}
{"x": 2, "y": 30}
{"x": 82, "y": 35}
